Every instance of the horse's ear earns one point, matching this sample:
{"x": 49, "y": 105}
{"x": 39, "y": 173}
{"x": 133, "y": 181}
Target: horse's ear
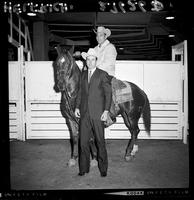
{"x": 71, "y": 50}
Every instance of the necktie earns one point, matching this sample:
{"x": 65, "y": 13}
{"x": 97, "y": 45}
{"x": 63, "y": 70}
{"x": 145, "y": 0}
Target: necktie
{"x": 89, "y": 75}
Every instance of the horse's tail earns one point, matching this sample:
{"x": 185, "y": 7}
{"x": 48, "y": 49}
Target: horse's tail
{"x": 146, "y": 114}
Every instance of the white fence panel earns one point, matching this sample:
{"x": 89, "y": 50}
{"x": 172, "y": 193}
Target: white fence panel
{"x": 130, "y": 71}
{"x": 165, "y": 123}
{"x": 160, "y": 80}
{"x": 15, "y": 101}
{"x": 13, "y": 120}
{"x": 45, "y": 121}
{"x": 40, "y": 81}
{"x": 44, "y": 118}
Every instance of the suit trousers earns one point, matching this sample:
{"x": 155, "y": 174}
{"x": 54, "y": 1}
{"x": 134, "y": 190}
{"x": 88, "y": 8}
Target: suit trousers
{"x": 92, "y": 128}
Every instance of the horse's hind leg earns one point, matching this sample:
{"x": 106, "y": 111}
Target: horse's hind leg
{"x": 132, "y": 125}
{"x": 132, "y": 146}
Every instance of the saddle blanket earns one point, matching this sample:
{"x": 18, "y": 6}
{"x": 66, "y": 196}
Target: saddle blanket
{"x": 121, "y": 91}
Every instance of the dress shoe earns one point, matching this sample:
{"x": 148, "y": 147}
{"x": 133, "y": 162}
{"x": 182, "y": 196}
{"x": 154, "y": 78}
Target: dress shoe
{"x": 81, "y": 173}
{"x": 103, "y": 174}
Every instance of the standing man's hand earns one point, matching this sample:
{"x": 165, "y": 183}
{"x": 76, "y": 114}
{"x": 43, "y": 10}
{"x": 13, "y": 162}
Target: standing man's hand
{"x": 77, "y": 113}
{"x": 104, "y": 116}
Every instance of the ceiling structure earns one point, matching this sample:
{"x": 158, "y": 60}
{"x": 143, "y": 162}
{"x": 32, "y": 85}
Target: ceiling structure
{"x": 137, "y": 35}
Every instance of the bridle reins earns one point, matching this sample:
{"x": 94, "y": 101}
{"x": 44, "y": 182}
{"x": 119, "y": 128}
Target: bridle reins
{"x": 71, "y": 61}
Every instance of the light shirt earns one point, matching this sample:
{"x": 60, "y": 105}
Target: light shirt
{"x": 92, "y": 71}
{"x": 106, "y": 57}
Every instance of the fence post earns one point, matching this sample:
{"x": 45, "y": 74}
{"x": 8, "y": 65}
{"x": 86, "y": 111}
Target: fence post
{"x": 181, "y": 49}
{"x": 186, "y": 123}
{"x": 21, "y": 102}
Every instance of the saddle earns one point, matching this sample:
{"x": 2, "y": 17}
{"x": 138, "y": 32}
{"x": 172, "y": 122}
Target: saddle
{"x": 121, "y": 93}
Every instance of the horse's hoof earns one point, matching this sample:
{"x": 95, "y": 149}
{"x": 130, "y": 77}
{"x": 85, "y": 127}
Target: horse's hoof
{"x": 135, "y": 149}
{"x": 129, "y": 158}
{"x": 93, "y": 163}
{"x": 72, "y": 162}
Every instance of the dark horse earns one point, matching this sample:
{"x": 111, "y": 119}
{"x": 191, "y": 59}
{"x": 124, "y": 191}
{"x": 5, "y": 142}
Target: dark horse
{"x": 67, "y": 77}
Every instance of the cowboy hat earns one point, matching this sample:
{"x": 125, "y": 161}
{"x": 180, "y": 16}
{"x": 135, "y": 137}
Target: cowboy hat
{"x": 91, "y": 52}
{"x": 106, "y": 31}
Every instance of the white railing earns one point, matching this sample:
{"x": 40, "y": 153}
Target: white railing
{"x": 19, "y": 35}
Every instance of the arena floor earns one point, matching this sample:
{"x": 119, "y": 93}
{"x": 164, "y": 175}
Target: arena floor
{"x": 42, "y": 165}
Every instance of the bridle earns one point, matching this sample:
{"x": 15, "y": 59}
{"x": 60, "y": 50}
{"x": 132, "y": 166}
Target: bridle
{"x": 65, "y": 90}
{"x": 71, "y": 61}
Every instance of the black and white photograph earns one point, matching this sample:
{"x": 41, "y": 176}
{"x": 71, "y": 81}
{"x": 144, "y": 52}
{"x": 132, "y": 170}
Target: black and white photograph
{"x": 98, "y": 96}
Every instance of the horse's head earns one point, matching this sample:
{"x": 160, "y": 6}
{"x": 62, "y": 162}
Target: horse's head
{"x": 64, "y": 60}
{"x": 63, "y": 66}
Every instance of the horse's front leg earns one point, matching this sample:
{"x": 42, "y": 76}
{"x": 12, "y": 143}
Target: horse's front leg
{"x": 93, "y": 151}
{"x": 74, "y": 136}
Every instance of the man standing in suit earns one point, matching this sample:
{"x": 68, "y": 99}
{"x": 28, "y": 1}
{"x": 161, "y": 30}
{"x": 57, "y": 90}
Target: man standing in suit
{"x": 92, "y": 106}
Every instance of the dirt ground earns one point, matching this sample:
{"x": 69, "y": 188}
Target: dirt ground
{"x": 42, "y": 165}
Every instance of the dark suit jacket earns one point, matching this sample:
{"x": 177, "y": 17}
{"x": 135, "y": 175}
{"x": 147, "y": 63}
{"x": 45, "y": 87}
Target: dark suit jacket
{"x": 96, "y": 96}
